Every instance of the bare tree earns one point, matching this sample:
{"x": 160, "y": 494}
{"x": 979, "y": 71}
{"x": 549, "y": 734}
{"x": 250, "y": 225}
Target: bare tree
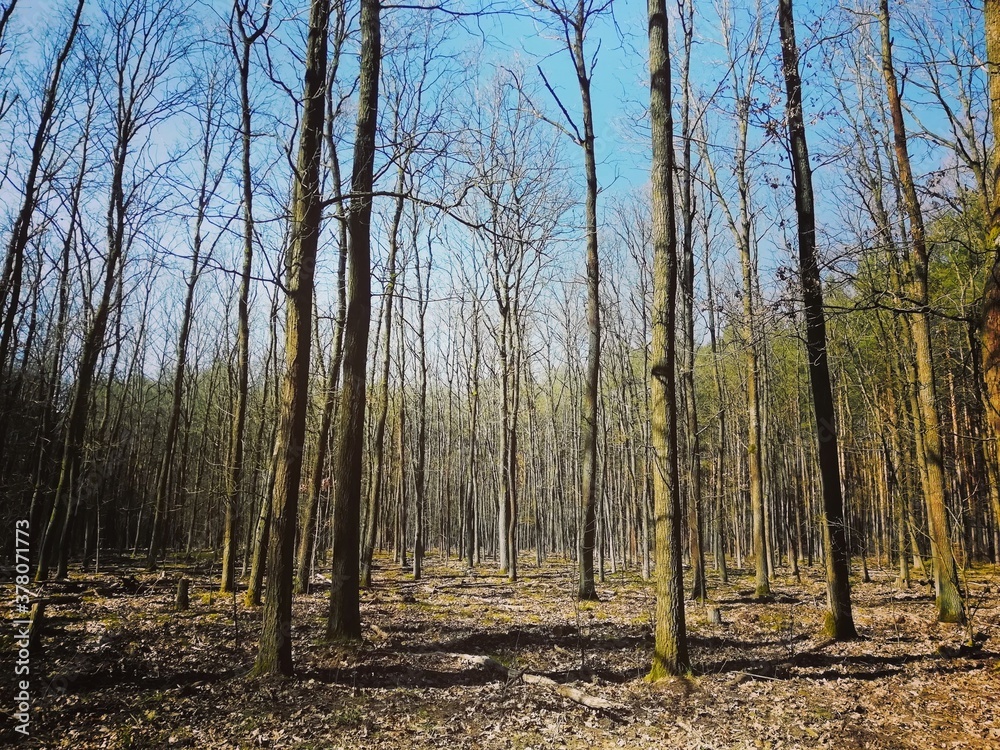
{"x": 840, "y": 622}
{"x": 949, "y": 600}
{"x": 244, "y": 31}
{"x": 214, "y": 158}
{"x": 670, "y": 653}
{"x": 133, "y": 64}
{"x": 345, "y": 613}
{"x": 11, "y": 276}
{"x": 573, "y": 20}
{"x": 275, "y": 652}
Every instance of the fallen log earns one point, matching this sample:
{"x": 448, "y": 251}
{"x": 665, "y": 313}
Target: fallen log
{"x": 566, "y": 691}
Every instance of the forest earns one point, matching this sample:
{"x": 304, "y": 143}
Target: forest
{"x": 500, "y": 373}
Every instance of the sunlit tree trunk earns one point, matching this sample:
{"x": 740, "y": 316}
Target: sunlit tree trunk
{"x": 670, "y": 655}
{"x": 949, "y": 600}
{"x": 840, "y": 622}
{"x": 991, "y": 294}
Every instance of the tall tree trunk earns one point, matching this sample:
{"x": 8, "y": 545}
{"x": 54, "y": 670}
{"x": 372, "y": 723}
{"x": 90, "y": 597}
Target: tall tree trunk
{"x": 275, "y": 653}
{"x": 991, "y": 293}
{"x": 719, "y": 489}
{"x": 949, "y": 600}
{"x": 420, "y": 465}
{"x": 839, "y": 622}
{"x": 377, "y": 480}
{"x": 345, "y": 607}
{"x": 234, "y": 460}
{"x": 699, "y": 587}
{"x": 670, "y": 655}
{"x": 58, "y": 528}
{"x": 470, "y": 481}
{"x": 307, "y": 536}
{"x": 591, "y": 393}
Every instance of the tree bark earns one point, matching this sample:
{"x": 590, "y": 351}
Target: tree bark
{"x": 991, "y": 293}
{"x": 839, "y": 621}
{"x": 345, "y": 607}
{"x": 275, "y": 653}
{"x": 670, "y": 656}
{"x": 949, "y": 600}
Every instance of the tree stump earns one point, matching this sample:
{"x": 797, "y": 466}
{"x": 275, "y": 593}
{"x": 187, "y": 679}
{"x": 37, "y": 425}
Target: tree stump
{"x": 35, "y": 625}
{"x": 714, "y": 614}
{"x": 181, "y": 603}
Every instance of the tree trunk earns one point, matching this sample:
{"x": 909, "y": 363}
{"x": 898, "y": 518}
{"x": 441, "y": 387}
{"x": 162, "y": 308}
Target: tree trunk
{"x": 275, "y": 653}
{"x": 949, "y": 600}
{"x": 991, "y": 293}
{"x": 591, "y": 394}
{"x": 345, "y": 607}
{"x": 377, "y": 481}
{"x": 307, "y": 537}
{"x": 839, "y": 622}
{"x": 234, "y": 462}
{"x": 696, "y": 550}
{"x": 670, "y": 656}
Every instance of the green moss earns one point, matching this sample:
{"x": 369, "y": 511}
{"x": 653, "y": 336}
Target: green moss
{"x": 348, "y": 716}
{"x": 776, "y": 621}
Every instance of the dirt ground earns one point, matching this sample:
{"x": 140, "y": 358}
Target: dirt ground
{"x": 121, "y": 669}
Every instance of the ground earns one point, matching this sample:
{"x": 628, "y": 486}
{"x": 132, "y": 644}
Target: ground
{"x": 120, "y": 669}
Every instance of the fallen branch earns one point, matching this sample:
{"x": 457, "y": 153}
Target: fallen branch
{"x": 575, "y": 695}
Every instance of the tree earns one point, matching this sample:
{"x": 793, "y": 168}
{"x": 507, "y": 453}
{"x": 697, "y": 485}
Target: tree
{"x": 423, "y": 280}
{"x": 744, "y": 79}
{"x": 134, "y": 64}
{"x": 699, "y": 587}
{"x": 244, "y": 32}
{"x": 319, "y": 478}
{"x": 670, "y": 655}
{"x": 840, "y": 622}
{"x": 378, "y": 472}
{"x": 344, "y": 619}
{"x": 13, "y": 268}
{"x": 573, "y": 21}
{"x": 991, "y": 293}
{"x": 211, "y": 175}
{"x": 949, "y": 600}
{"x": 275, "y": 653}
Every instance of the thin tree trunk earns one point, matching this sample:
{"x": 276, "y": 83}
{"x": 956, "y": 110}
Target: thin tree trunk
{"x": 839, "y": 620}
{"x": 377, "y": 481}
{"x": 949, "y": 600}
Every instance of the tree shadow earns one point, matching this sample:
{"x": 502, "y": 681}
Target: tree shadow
{"x": 833, "y": 666}
{"x": 398, "y": 675}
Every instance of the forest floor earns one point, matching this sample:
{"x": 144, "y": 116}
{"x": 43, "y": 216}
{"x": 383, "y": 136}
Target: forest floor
{"x": 120, "y": 669}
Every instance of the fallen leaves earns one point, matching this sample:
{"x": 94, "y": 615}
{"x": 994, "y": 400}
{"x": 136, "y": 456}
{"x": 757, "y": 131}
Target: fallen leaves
{"x": 124, "y": 671}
